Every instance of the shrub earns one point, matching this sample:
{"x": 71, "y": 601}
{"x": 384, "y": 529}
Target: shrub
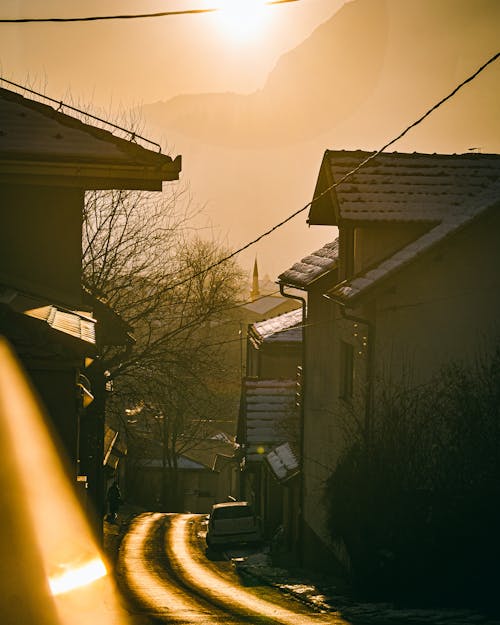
{"x": 416, "y": 501}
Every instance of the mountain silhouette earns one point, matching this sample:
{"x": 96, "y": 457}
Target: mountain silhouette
{"x": 360, "y": 78}
{"x": 394, "y": 55}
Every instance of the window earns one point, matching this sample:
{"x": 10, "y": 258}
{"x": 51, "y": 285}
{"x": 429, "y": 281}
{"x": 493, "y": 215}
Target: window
{"x": 346, "y": 370}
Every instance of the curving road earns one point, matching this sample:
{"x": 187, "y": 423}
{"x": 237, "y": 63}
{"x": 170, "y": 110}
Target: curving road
{"x": 164, "y": 567}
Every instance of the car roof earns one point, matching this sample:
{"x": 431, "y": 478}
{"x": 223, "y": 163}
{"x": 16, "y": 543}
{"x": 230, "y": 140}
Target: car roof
{"x": 230, "y": 504}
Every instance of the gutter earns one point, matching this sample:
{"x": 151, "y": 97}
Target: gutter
{"x": 300, "y": 525}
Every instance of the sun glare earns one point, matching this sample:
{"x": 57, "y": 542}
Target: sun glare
{"x": 241, "y": 20}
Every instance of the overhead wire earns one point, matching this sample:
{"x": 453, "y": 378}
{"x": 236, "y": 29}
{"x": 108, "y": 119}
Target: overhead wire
{"x": 345, "y": 177}
{"x": 131, "y": 16}
{"x": 63, "y": 105}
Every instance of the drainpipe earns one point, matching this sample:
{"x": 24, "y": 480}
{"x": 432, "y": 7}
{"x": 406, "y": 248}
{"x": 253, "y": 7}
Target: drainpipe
{"x": 300, "y": 537}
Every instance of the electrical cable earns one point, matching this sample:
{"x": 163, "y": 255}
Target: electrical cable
{"x": 61, "y": 105}
{"x": 325, "y": 191}
{"x": 97, "y": 18}
{"x": 343, "y": 179}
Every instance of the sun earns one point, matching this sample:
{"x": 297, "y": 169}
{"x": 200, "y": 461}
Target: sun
{"x": 241, "y": 20}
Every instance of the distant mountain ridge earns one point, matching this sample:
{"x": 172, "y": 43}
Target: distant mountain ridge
{"x": 296, "y": 94}
{"x": 394, "y": 55}
{"x": 358, "y": 80}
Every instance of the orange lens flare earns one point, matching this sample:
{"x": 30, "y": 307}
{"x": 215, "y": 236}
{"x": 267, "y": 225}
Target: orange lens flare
{"x": 77, "y": 577}
{"x": 49, "y": 547}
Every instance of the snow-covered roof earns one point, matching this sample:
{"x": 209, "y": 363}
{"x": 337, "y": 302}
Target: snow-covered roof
{"x": 349, "y": 290}
{"x": 265, "y": 304}
{"x": 268, "y": 414}
{"x": 400, "y": 187}
{"x": 283, "y": 462}
{"x": 38, "y": 139}
{"x": 71, "y": 324}
{"x": 312, "y": 267}
{"x": 445, "y": 191}
{"x": 286, "y": 328}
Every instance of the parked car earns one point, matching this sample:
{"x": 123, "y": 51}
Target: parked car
{"x": 232, "y": 523}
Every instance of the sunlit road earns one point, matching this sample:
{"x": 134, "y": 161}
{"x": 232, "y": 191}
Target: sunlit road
{"x": 165, "y": 570}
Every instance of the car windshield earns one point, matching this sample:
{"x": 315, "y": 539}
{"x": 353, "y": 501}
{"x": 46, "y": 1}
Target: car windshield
{"x": 232, "y": 512}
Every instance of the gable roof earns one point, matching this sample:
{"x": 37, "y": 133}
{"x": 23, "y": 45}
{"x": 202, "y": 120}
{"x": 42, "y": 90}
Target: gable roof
{"x": 268, "y": 413}
{"x": 38, "y": 142}
{"x": 312, "y": 267}
{"x": 264, "y": 305}
{"x": 74, "y": 328}
{"x": 400, "y": 187}
{"x": 483, "y": 195}
{"x": 285, "y": 328}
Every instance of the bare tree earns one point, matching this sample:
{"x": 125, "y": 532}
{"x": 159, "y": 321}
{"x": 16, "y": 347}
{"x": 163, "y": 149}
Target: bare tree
{"x": 136, "y": 251}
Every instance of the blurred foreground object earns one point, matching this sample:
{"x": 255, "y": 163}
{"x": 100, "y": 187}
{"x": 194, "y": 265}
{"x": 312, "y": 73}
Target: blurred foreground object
{"x": 51, "y": 570}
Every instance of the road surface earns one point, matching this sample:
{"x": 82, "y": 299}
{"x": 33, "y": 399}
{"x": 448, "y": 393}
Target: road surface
{"x": 165, "y": 569}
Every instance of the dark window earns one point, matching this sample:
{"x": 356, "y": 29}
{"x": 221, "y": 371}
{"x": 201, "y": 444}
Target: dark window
{"x": 346, "y": 370}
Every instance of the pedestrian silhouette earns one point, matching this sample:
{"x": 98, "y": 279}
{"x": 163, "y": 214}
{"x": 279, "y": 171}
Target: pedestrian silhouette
{"x": 114, "y": 498}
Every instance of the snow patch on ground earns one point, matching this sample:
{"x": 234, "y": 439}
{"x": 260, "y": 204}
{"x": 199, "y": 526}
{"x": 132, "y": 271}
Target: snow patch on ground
{"x": 323, "y": 595}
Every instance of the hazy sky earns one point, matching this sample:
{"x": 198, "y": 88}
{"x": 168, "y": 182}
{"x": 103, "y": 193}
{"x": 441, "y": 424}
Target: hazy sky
{"x": 136, "y": 61}
{"x": 398, "y": 56}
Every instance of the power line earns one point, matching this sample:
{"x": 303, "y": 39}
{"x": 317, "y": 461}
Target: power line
{"x": 62, "y": 105}
{"x": 97, "y": 18}
{"x": 343, "y": 179}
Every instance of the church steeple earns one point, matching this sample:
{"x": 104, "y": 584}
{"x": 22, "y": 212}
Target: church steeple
{"x": 255, "y": 293}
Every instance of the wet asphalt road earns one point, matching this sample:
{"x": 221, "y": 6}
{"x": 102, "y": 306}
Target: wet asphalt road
{"x": 164, "y": 569}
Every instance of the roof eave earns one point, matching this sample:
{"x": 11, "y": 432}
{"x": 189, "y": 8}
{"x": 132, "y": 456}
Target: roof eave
{"x": 311, "y": 283}
{"x": 324, "y": 211}
{"x": 89, "y": 175}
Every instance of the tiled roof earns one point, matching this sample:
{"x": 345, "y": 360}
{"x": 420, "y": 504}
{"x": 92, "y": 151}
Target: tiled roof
{"x": 283, "y": 462}
{"x": 36, "y": 134}
{"x": 471, "y": 209}
{"x": 265, "y": 305}
{"x": 401, "y": 187}
{"x": 269, "y": 414}
{"x": 205, "y": 452}
{"x": 312, "y": 267}
{"x": 183, "y": 463}
{"x": 71, "y": 323}
{"x": 284, "y": 328}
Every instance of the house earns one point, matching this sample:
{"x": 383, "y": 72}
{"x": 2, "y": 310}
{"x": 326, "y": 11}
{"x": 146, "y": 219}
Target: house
{"x": 416, "y": 287}
{"x": 313, "y": 275}
{"x": 205, "y": 473}
{"x": 268, "y": 418}
{"x": 48, "y": 160}
{"x": 268, "y": 424}
{"x": 274, "y": 346}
